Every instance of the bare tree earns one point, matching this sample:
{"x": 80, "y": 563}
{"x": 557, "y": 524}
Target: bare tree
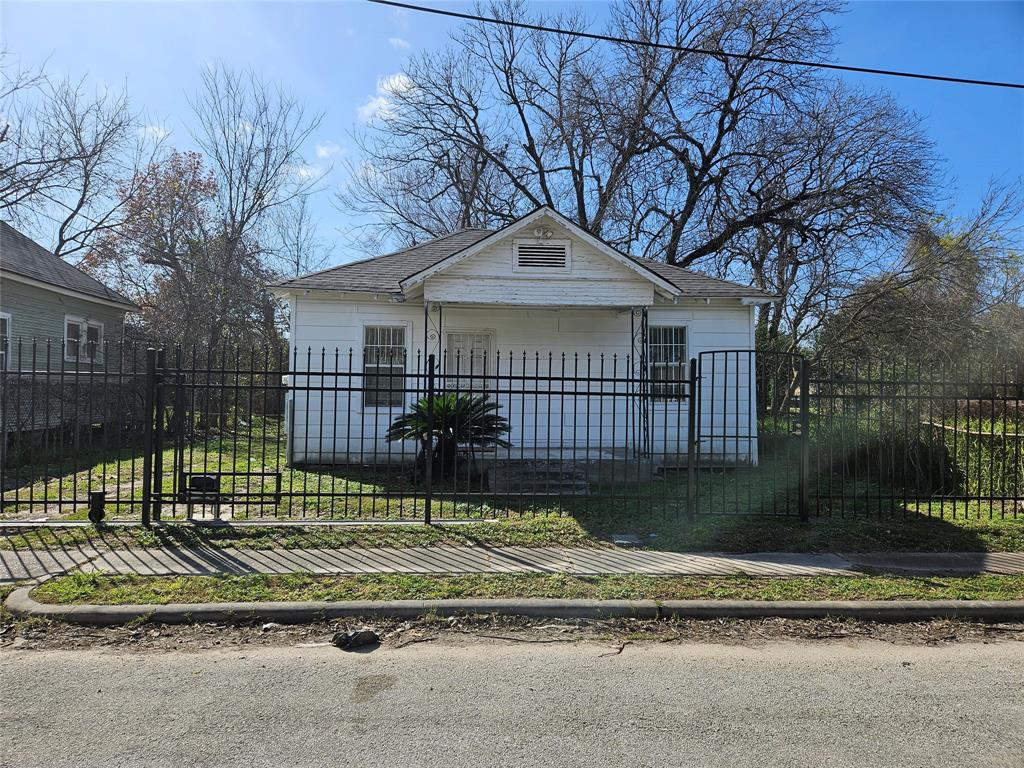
{"x": 958, "y": 286}
{"x": 205, "y": 233}
{"x": 745, "y": 167}
{"x": 832, "y": 207}
{"x": 294, "y": 240}
{"x": 28, "y": 161}
{"x": 109, "y": 146}
{"x": 65, "y": 155}
{"x": 252, "y": 134}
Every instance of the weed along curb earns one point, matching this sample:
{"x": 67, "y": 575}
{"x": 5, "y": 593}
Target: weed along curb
{"x": 20, "y": 603}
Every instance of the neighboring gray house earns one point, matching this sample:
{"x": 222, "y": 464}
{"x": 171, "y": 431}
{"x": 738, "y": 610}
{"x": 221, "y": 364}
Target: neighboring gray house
{"x": 42, "y": 297}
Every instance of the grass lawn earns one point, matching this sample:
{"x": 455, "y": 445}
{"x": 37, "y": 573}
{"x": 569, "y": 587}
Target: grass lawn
{"x": 912, "y": 533}
{"x": 253, "y": 457}
{"x": 156, "y": 590}
{"x": 866, "y": 521}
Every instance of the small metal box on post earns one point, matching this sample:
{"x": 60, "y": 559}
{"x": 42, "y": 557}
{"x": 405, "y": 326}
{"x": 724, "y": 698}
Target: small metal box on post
{"x": 97, "y": 502}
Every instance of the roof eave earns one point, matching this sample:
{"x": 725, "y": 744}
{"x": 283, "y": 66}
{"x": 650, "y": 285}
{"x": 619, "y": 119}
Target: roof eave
{"x": 122, "y": 303}
{"x": 283, "y": 291}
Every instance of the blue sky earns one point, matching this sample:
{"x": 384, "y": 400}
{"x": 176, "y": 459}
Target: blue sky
{"x": 333, "y": 55}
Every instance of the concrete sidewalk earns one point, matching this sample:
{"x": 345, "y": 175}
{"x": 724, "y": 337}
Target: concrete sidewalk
{"x": 18, "y": 565}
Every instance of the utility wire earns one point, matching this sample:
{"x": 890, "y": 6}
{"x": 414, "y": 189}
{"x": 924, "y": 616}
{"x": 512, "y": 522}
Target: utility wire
{"x": 690, "y": 49}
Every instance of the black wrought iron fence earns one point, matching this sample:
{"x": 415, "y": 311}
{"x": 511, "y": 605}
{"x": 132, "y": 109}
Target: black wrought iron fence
{"x": 364, "y": 435}
{"x": 138, "y": 434}
{"x": 71, "y": 428}
{"x": 888, "y": 436}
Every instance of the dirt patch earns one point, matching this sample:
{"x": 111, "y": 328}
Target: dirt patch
{"x": 156, "y": 638}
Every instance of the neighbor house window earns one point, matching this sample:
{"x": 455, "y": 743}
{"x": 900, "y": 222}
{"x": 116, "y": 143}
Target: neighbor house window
{"x": 667, "y": 350}
{"x": 83, "y": 340}
{"x": 384, "y": 365}
{"x": 5, "y": 341}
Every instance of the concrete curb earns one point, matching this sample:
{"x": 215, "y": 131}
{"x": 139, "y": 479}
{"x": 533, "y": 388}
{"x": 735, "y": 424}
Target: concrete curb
{"x": 20, "y": 603}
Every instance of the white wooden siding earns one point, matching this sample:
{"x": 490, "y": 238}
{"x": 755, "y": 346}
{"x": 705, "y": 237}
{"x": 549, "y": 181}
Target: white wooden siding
{"x": 334, "y": 426}
{"x": 489, "y": 277}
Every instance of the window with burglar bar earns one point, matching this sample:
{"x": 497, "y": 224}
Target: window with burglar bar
{"x": 666, "y": 347}
{"x": 83, "y": 340}
{"x": 384, "y": 365}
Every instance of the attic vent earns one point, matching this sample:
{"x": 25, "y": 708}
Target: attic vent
{"x": 541, "y": 255}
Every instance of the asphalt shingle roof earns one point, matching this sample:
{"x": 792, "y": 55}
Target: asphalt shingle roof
{"x": 23, "y": 256}
{"x": 384, "y": 274}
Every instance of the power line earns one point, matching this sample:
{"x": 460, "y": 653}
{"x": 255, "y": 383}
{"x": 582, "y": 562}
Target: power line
{"x": 690, "y": 49}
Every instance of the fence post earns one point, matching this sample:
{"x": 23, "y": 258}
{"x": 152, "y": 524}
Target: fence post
{"x": 147, "y": 436}
{"x": 805, "y": 440}
{"x": 179, "y": 429}
{"x": 691, "y": 443}
{"x": 428, "y": 458}
{"x": 158, "y": 435}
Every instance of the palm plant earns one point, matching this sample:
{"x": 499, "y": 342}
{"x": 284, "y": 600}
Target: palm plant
{"x": 442, "y": 423}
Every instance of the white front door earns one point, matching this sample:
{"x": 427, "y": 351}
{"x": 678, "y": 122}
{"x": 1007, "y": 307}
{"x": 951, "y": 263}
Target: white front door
{"x": 468, "y": 356}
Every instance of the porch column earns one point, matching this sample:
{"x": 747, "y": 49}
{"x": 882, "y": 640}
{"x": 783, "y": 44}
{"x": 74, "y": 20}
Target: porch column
{"x": 432, "y": 329}
{"x": 640, "y": 384}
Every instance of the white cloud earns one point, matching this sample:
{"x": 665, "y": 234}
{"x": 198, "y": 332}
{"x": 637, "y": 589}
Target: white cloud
{"x": 307, "y": 172}
{"x": 387, "y": 86}
{"x": 377, "y": 105}
{"x": 156, "y": 132}
{"x": 327, "y": 149}
{"x": 399, "y": 44}
{"x": 400, "y": 17}
{"x": 392, "y": 85}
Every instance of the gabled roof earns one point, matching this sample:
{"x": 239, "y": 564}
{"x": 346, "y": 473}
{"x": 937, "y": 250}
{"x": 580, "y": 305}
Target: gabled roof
{"x": 22, "y": 256}
{"x": 384, "y": 274}
{"x": 395, "y": 273}
{"x": 523, "y": 223}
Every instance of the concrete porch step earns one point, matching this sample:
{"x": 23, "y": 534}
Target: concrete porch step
{"x": 538, "y": 478}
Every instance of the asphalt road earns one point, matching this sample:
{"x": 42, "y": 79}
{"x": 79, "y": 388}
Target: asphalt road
{"x": 497, "y": 704}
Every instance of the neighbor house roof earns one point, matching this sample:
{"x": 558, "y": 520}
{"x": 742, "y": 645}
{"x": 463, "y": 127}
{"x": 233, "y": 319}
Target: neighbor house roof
{"x": 385, "y": 274}
{"x": 22, "y": 256}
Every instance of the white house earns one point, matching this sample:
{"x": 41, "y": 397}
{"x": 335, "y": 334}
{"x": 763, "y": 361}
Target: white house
{"x": 585, "y": 348}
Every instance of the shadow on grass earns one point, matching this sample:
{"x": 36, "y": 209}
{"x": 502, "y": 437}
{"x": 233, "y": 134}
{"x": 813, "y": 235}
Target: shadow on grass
{"x": 751, "y": 533}
{"x": 50, "y": 467}
{"x": 911, "y": 533}
{"x": 653, "y": 512}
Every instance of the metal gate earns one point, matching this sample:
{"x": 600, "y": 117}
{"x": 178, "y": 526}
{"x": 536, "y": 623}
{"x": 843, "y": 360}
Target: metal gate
{"x": 750, "y": 433}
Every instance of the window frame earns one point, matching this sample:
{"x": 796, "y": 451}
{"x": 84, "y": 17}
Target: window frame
{"x": 566, "y": 241}
{"x": 683, "y": 390}
{"x": 403, "y": 395}
{"x": 5, "y": 365}
{"x": 84, "y": 324}
{"x": 480, "y": 386}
